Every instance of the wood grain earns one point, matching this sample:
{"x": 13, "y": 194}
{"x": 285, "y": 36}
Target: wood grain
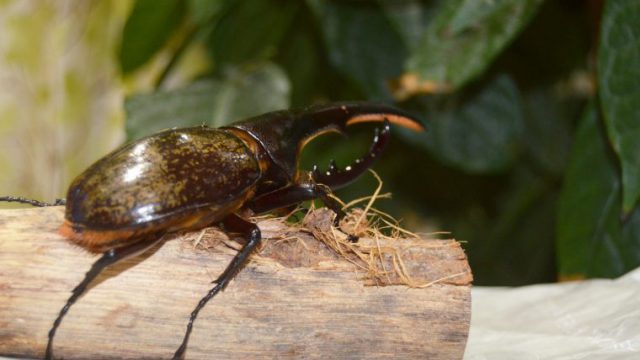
{"x": 296, "y": 299}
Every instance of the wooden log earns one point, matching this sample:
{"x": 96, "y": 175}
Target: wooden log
{"x": 295, "y": 299}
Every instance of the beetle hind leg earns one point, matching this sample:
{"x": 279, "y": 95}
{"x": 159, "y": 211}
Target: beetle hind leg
{"x": 108, "y": 258}
{"x": 32, "y": 202}
{"x": 335, "y": 177}
{"x": 233, "y": 223}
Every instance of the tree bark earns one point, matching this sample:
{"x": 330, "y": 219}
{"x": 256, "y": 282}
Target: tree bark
{"x": 297, "y": 298}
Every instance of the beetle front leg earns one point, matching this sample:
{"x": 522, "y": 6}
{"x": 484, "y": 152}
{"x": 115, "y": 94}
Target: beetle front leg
{"x": 298, "y": 193}
{"x": 232, "y": 223}
{"x": 295, "y": 194}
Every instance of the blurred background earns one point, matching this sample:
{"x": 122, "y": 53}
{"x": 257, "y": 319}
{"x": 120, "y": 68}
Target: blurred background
{"x": 532, "y": 107}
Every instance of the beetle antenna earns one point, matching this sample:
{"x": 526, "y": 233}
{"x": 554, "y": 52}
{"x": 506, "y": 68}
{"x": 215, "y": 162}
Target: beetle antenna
{"x": 32, "y": 202}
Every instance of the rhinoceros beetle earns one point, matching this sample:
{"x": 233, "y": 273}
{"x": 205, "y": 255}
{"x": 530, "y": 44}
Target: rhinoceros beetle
{"x": 188, "y": 178}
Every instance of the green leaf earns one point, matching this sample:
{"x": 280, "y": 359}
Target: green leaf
{"x": 251, "y": 93}
{"x": 478, "y": 132}
{"x": 526, "y": 212}
{"x": 202, "y": 11}
{"x": 147, "y": 29}
{"x": 619, "y": 80}
{"x": 251, "y": 30}
{"x": 592, "y": 239}
{"x": 306, "y": 75}
{"x": 239, "y": 94}
{"x": 410, "y": 18}
{"x": 549, "y": 130}
{"x": 362, "y": 44}
{"x": 465, "y": 37}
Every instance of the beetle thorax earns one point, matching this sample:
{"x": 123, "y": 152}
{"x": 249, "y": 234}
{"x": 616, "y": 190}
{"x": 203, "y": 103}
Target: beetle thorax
{"x": 273, "y": 176}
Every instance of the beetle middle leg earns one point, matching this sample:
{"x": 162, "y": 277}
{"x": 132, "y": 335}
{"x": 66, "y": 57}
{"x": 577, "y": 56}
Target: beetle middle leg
{"x": 108, "y": 258}
{"x": 251, "y": 232}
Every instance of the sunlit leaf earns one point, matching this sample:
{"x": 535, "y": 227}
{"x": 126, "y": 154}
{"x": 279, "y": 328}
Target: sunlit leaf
{"x": 241, "y": 93}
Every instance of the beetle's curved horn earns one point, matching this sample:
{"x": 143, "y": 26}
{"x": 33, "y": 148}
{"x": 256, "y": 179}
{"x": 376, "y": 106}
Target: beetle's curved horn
{"x": 283, "y": 134}
{"x": 341, "y": 115}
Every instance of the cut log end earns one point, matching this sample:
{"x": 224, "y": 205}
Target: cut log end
{"x": 297, "y": 298}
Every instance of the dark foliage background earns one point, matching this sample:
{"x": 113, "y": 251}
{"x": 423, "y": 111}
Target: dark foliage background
{"x": 532, "y": 109}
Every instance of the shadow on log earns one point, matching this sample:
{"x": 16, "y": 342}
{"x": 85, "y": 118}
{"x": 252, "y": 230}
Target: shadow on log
{"x": 297, "y": 298}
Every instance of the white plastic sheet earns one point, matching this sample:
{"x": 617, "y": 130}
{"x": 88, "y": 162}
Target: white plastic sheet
{"x": 593, "y": 319}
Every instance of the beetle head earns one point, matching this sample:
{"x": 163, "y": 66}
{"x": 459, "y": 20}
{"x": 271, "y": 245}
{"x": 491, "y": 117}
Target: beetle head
{"x": 283, "y": 134}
